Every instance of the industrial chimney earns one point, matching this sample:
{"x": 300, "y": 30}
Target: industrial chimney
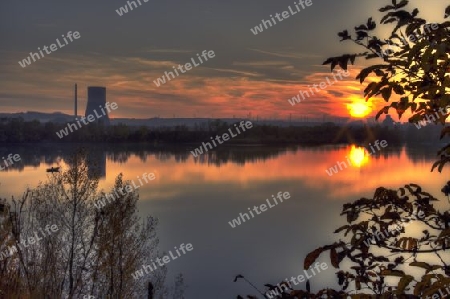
{"x": 76, "y": 101}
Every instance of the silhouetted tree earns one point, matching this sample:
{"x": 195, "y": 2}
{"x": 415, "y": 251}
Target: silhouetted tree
{"x": 418, "y": 71}
{"x": 92, "y": 251}
{"x": 415, "y": 65}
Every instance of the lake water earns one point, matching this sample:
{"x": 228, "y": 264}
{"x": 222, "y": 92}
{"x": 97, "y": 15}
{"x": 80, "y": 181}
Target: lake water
{"x": 195, "y": 199}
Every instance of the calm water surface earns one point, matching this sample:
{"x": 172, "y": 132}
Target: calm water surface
{"x": 195, "y": 199}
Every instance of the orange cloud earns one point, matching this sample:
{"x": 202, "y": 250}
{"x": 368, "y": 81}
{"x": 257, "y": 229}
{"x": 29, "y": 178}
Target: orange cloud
{"x": 204, "y": 91}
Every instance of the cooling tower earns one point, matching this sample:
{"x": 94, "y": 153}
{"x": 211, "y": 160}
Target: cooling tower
{"x": 96, "y": 104}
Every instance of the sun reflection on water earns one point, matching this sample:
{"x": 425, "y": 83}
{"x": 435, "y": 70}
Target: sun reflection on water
{"x": 358, "y": 156}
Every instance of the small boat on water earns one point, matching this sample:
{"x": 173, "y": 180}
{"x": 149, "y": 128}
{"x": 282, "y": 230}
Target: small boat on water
{"x": 53, "y": 169}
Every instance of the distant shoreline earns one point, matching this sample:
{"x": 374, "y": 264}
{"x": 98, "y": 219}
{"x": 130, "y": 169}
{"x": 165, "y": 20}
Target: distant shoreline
{"x": 16, "y": 131}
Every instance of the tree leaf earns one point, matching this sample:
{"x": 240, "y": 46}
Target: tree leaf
{"x": 334, "y": 258}
{"x": 386, "y": 8}
{"x": 392, "y": 273}
{"x": 403, "y": 283}
{"x": 386, "y": 93}
{"x": 361, "y": 35}
{"x": 403, "y": 3}
{"x": 344, "y": 35}
{"x": 361, "y": 27}
{"x": 444, "y": 234}
{"x": 341, "y": 228}
{"x": 371, "y": 25}
{"x": 343, "y": 62}
{"x": 311, "y": 257}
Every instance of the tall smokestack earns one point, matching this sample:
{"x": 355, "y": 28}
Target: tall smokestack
{"x": 76, "y": 101}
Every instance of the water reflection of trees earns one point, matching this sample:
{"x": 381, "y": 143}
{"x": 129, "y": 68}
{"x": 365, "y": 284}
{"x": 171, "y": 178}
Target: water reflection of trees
{"x": 423, "y": 153}
{"x": 238, "y": 155}
{"x": 50, "y": 155}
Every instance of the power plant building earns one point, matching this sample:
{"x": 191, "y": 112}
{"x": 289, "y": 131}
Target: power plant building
{"x": 96, "y": 104}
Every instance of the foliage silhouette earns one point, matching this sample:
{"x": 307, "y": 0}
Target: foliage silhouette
{"x": 416, "y": 66}
{"x": 418, "y": 71}
{"x": 381, "y": 264}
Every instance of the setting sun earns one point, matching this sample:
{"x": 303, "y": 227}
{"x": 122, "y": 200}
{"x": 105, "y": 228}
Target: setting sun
{"x": 359, "y": 108}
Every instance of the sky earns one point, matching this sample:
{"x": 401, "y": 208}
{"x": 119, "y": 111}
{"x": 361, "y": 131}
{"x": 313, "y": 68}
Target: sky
{"x": 249, "y": 74}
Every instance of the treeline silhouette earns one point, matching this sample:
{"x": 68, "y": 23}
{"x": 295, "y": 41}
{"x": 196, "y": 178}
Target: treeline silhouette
{"x": 20, "y": 131}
